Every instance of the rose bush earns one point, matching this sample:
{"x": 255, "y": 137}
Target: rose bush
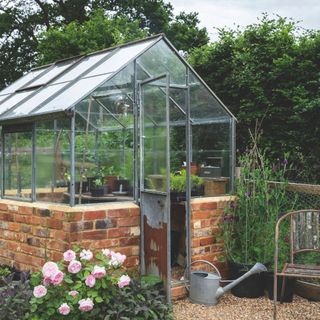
{"x": 71, "y": 289}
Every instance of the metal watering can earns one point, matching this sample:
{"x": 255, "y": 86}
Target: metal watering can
{"x": 205, "y": 287}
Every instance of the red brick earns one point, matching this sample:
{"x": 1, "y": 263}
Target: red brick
{"x": 12, "y": 226}
{"x": 128, "y": 222}
{"x": 195, "y": 243}
{"x": 206, "y": 214}
{"x": 59, "y": 234}
{"x": 178, "y": 292}
{"x": 57, "y": 245}
{"x": 26, "y": 210}
{"x": 94, "y": 215}
{"x": 131, "y": 262}
{"x": 126, "y": 251}
{"x": 206, "y": 241}
{"x": 54, "y": 224}
{"x": 23, "y": 219}
{"x": 204, "y": 205}
{"x": 3, "y": 206}
{"x": 56, "y": 256}
{"x": 134, "y": 212}
{"x": 60, "y": 215}
{"x": 94, "y": 235}
{"x": 129, "y": 241}
{"x": 36, "y": 220}
{"x": 7, "y": 216}
{"x": 118, "y": 232}
{"x": 75, "y": 216}
{"x": 118, "y": 213}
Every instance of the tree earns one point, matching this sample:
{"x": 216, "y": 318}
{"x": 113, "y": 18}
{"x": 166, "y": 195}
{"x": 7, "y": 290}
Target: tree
{"x": 267, "y": 73}
{"x": 97, "y": 33}
{"x": 24, "y": 23}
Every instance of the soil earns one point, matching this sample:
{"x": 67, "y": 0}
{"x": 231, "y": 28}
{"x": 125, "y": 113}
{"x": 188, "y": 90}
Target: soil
{"x": 233, "y": 308}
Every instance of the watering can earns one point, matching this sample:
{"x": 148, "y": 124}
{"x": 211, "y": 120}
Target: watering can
{"x": 205, "y": 286}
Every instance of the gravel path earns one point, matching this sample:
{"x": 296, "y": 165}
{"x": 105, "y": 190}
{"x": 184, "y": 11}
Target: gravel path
{"x": 233, "y": 308}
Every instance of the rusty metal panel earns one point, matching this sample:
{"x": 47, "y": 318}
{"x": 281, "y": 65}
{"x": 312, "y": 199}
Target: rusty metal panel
{"x": 155, "y": 212}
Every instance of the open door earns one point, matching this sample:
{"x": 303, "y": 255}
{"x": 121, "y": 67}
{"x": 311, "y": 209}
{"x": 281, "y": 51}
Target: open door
{"x": 155, "y": 178}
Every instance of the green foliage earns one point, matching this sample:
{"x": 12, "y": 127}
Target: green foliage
{"x": 266, "y": 72}
{"x": 4, "y": 271}
{"x": 101, "y": 293}
{"x": 97, "y": 33}
{"x": 178, "y": 182}
{"x": 138, "y": 302}
{"x": 14, "y": 297}
{"x": 249, "y": 223}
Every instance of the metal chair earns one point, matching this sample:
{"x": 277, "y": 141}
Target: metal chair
{"x": 304, "y": 237}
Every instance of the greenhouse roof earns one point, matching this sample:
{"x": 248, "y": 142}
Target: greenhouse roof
{"x": 57, "y": 87}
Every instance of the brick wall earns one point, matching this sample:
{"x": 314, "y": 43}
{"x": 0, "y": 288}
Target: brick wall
{"x": 206, "y": 219}
{"x": 32, "y": 233}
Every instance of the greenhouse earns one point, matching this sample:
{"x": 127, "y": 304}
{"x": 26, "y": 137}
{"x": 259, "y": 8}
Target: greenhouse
{"x": 130, "y": 123}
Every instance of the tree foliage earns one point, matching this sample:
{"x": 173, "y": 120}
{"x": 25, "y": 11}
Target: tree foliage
{"x": 268, "y": 73}
{"x": 37, "y": 31}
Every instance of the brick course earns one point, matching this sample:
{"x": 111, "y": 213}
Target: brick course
{"x": 30, "y": 234}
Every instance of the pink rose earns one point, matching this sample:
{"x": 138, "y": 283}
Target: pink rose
{"x": 85, "y": 304}
{"x": 49, "y": 269}
{"x": 124, "y": 281}
{"x": 57, "y": 278}
{"x": 69, "y": 255}
{"x": 46, "y": 281}
{"x": 86, "y": 255}
{"x": 90, "y": 281}
{"x": 108, "y": 253}
{"x": 39, "y": 291}
{"x": 64, "y": 309}
{"x": 74, "y": 266}
{"x": 117, "y": 259}
{"x": 98, "y": 272}
{"x": 73, "y": 293}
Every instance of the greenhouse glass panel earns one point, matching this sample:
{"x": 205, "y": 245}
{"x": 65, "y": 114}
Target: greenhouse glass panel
{"x": 161, "y": 59}
{"x": 120, "y": 58}
{"x": 13, "y": 100}
{"x": 18, "y": 164}
{"x": 30, "y": 104}
{"x": 4, "y": 97}
{"x": 53, "y": 160}
{"x": 23, "y": 81}
{"x": 104, "y": 141}
{"x": 53, "y": 72}
{"x": 83, "y": 65}
{"x": 71, "y": 95}
{"x": 203, "y": 104}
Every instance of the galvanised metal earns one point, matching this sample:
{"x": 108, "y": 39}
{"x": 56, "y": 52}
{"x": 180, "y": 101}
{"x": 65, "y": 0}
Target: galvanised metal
{"x": 135, "y": 133}
{"x": 72, "y": 159}
{"x": 2, "y": 162}
{"x": 188, "y": 176}
{"x": 9, "y": 159}
{"x": 232, "y": 153}
{"x": 33, "y": 164}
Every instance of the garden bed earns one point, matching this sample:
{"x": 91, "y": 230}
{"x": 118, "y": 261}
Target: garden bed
{"x": 247, "y": 309}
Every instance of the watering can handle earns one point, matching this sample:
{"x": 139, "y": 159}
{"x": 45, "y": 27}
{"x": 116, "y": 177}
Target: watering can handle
{"x": 204, "y": 261}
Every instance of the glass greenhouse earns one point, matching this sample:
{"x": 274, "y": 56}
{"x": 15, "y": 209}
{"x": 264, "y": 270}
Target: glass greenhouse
{"x": 129, "y": 123}
{"x": 105, "y": 126}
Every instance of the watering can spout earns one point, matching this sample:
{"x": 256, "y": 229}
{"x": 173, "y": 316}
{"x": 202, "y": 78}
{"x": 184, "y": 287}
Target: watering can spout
{"x": 257, "y": 268}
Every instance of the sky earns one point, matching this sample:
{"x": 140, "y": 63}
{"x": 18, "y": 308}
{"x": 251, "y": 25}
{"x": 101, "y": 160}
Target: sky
{"x": 230, "y": 13}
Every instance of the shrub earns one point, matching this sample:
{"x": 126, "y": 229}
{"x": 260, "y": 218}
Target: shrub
{"x": 139, "y": 301}
{"x": 14, "y": 297}
{"x": 80, "y": 286}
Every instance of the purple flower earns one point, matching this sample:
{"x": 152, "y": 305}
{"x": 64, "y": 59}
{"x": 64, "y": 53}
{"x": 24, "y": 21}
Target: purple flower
{"x": 248, "y": 194}
{"x": 285, "y": 162}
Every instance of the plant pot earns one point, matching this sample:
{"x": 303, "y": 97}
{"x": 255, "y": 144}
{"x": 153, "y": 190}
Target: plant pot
{"x": 121, "y": 182}
{"x": 177, "y": 196}
{"x": 97, "y": 191}
{"x": 110, "y": 181}
{"x": 90, "y": 181}
{"x": 251, "y": 287}
{"x": 289, "y": 287}
{"x": 77, "y": 187}
{"x": 197, "y": 191}
{"x": 307, "y": 290}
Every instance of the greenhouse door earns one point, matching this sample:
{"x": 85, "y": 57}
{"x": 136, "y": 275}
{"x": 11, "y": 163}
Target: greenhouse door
{"x": 154, "y": 178}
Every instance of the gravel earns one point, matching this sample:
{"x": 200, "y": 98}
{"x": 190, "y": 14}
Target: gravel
{"x": 233, "y": 308}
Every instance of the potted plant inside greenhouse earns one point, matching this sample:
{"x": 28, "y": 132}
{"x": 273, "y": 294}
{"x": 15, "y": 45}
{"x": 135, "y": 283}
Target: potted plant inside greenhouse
{"x": 249, "y": 222}
{"x": 178, "y": 184}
